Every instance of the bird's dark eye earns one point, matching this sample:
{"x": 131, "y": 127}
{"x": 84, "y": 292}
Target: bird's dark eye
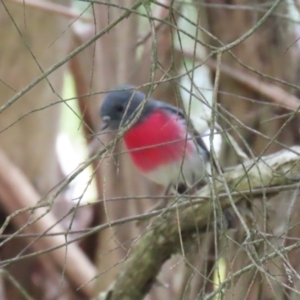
{"x": 119, "y": 108}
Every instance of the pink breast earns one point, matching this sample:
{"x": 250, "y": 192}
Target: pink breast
{"x": 160, "y": 139}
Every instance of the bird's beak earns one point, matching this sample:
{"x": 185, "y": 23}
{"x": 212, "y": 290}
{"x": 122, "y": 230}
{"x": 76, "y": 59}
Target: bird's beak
{"x": 105, "y": 122}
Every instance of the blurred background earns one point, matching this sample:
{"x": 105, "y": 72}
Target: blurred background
{"x": 58, "y": 59}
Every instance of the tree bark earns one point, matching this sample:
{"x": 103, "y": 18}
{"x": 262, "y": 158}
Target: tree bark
{"x": 186, "y": 220}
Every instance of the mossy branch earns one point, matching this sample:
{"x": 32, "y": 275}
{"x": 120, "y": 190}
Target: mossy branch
{"x": 162, "y": 239}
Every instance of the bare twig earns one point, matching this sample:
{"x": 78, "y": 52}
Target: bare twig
{"x": 16, "y": 193}
{"x": 162, "y": 239}
{"x": 18, "y": 95}
{"x": 271, "y": 91}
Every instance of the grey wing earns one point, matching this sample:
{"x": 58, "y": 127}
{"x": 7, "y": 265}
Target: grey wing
{"x": 170, "y": 108}
{"x": 193, "y": 131}
{"x": 202, "y": 145}
{"x": 191, "y": 127}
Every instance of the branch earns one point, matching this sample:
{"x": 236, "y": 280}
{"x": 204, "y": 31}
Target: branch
{"x": 22, "y": 203}
{"x": 46, "y": 73}
{"x": 274, "y": 93}
{"x": 163, "y": 239}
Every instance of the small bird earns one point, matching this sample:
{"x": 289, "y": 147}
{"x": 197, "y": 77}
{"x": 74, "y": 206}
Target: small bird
{"x": 162, "y": 144}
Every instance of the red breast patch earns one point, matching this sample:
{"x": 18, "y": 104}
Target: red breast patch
{"x": 158, "y": 140}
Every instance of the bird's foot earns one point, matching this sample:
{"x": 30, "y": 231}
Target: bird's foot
{"x": 227, "y": 220}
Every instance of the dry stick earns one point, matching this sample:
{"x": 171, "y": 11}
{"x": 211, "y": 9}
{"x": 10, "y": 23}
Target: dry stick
{"x": 157, "y": 245}
{"x": 271, "y": 91}
{"x": 272, "y": 190}
{"x": 18, "y": 95}
{"x": 16, "y": 192}
{"x": 16, "y": 284}
{"x": 162, "y": 239}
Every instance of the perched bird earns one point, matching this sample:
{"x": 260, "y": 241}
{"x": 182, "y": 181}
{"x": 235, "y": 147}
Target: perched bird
{"x": 163, "y": 146}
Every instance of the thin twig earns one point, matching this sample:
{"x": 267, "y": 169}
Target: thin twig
{"x": 18, "y": 196}
{"x": 161, "y": 240}
{"x": 271, "y": 91}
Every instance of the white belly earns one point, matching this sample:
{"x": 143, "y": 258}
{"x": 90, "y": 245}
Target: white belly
{"x": 187, "y": 171}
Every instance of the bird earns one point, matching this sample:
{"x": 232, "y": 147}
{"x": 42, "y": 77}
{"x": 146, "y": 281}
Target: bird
{"x": 161, "y": 141}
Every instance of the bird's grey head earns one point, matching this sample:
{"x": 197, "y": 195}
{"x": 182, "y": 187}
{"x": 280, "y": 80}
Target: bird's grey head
{"x": 120, "y": 107}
